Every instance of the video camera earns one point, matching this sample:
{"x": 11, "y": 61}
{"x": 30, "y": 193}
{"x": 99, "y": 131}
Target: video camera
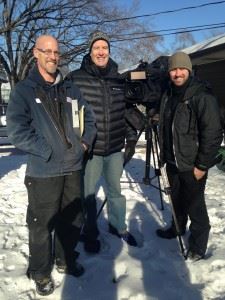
{"x": 145, "y": 84}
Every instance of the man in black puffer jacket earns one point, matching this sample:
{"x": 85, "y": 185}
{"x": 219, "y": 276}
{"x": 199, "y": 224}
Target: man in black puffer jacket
{"x": 190, "y": 136}
{"x": 102, "y": 88}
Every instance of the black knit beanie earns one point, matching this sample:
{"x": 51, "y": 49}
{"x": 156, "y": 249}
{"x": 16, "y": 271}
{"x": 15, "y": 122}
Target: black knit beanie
{"x": 96, "y": 36}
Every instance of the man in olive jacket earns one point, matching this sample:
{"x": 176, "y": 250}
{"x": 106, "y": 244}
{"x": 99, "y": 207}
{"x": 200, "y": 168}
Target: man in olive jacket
{"x": 190, "y": 136}
{"x": 100, "y": 84}
{"x": 42, "y": 120}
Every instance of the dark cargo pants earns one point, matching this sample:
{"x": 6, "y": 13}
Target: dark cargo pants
{"x": 188, "y": 198}
{"x": 54, "y": 218}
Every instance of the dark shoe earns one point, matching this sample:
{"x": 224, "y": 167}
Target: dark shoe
{"x": 45, "y": 286}
{"x": 126, "y": 236}
{"x": 76, "y": 270}
{"x": 169, "y": 233}
{"x": 93, "y": 246}
{"x": 194, "y": 256}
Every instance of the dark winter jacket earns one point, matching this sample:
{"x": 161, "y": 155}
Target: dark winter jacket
{"x": 44, "y": 128}
{"x": 196, "y": 128}
{"x": 104, "y": 90}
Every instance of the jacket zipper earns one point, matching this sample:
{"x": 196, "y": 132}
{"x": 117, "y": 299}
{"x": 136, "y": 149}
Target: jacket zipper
{"x": 64, "y": 140}
{"x": 174, "y": 152}
{"x": 106, "y": 109}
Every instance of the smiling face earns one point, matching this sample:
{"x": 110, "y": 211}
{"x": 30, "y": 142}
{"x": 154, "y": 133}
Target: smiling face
{"x": 100, "y": 53}
{"x": 179, "y": 76}
{"x": 46, "y": 52}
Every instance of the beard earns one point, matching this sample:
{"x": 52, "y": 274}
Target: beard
{"x": 51, "y": 69}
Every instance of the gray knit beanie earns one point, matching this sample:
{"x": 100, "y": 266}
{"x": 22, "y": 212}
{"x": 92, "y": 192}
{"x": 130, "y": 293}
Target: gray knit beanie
{"x": 180, "y": 60}
{"x": 96, "y": 36}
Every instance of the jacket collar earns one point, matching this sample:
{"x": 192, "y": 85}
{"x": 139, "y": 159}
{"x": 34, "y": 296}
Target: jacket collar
{"x": 34, "y": 78}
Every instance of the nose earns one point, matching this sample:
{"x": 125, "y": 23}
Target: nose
{"x": 53, "y": 55}
{"x": 101, "y": 51}
{"x": 178, "y": 71}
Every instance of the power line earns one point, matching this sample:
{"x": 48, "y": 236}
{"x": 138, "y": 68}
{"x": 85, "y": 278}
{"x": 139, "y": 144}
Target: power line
{"x": 152, "y": 14}
{"x": 195, "y": 27}
{"x": 166, "y": 34}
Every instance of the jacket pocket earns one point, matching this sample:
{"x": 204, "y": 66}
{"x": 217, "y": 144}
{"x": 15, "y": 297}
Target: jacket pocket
{"x": 185, "y": 119}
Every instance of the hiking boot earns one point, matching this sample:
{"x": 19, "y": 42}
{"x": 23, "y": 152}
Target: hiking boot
{"x": 169, "y": 233}
{"x": 126, "y": 236}
{"x": 76, "y": 270}
{"x": 45, "y": 286}
{"x": 92, "y": 246}
{"x": 194, "y": 256}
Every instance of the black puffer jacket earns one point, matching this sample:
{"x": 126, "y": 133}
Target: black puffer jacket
{"x": 196, "y": 128}
{"x": 105, "y": 92}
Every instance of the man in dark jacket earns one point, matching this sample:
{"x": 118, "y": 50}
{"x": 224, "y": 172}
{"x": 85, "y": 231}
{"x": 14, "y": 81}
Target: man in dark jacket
{"x": 42, "y": 121}
{"x": 190, "y": 136}
{"x": 100, "y": 84}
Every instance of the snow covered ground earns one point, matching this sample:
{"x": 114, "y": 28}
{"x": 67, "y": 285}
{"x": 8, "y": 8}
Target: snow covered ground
{"x": 155, "y": 270}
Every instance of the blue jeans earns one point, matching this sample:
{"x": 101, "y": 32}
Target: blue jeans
{"x": 111, "y": 168}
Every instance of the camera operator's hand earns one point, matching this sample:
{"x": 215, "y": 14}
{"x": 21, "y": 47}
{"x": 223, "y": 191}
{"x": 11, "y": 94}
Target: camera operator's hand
{"x": 129, "y": 151}
{"x": 155, "y": 119}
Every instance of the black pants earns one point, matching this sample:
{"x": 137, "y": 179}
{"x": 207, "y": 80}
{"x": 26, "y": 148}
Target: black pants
{"x": 188, "y": 198}
{"x": 54, "y": 218}
{"x": 90, "y": 229}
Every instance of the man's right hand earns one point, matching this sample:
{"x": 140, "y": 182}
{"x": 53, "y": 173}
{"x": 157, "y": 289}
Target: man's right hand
{"x": 129, "y": 151}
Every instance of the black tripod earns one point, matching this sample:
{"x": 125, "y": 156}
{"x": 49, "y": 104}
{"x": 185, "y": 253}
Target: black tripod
{"x": 152, "y": 147}
{"x": 167, "y": 190}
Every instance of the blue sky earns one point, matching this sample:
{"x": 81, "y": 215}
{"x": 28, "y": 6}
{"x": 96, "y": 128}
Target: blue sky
{"x": 193, "y": 17}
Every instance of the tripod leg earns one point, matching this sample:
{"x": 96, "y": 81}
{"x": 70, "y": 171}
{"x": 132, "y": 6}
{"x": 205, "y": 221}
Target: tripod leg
{"x": 168, "y": 193}
{"x": 101, "y": 208}
{"x": 148, "y": 138}
{"x": 160, "y": 194}
{"x": 155, "y": 153}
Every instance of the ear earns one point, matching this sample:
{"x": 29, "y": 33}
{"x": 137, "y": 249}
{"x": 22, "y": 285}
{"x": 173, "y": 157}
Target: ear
{"x": 35, "y": 52}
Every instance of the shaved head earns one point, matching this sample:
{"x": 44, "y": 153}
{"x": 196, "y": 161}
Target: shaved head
{"x": 44, "y": 39}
